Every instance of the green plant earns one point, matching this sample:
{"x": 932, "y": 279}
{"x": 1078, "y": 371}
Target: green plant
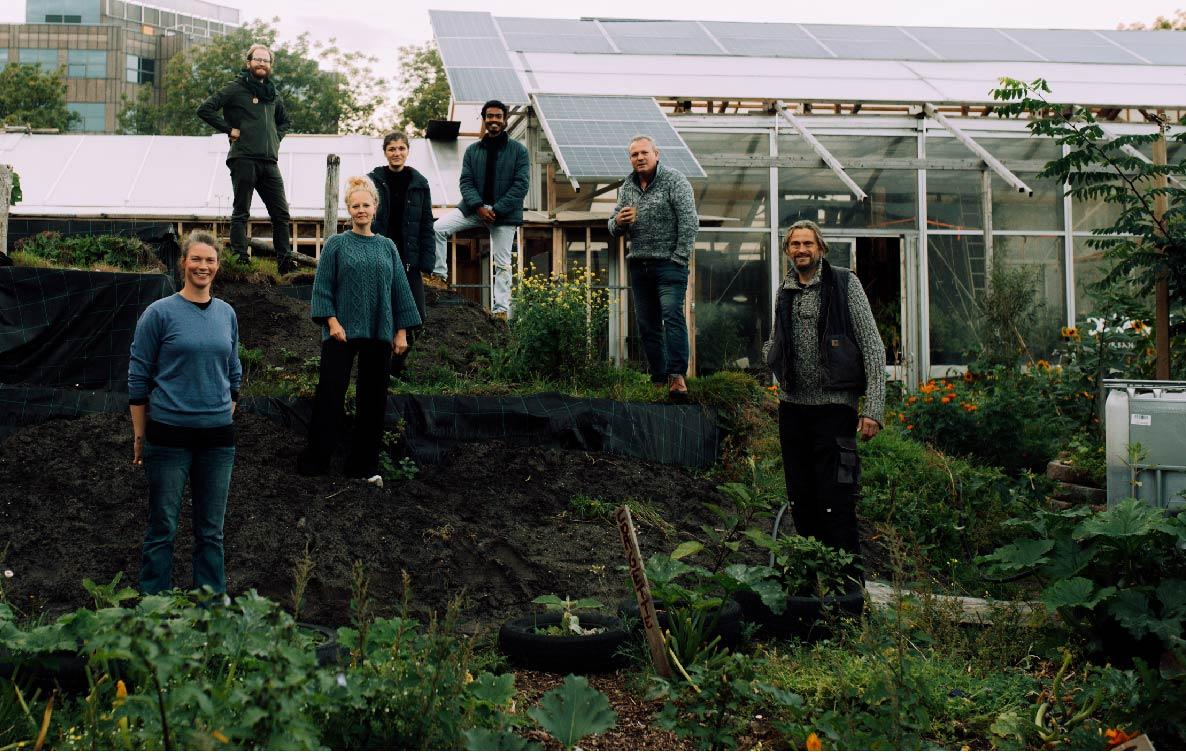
{"x": 1086, "y": 453}
{"x": 1005, "y": 418}
{"x": 302, "y": 572}
{"x": 805, "y": 566}
{"x": 573, "y": 711}
{"x": 1120, "y": 569}
{"x": 1008, "y": 307}
{"x": 570, "y": 622}
{"x": 949, "y": 509}
{"x": 109, "y": 594}
{"x": 116, "y": 251}
{"x": 557, "y": 328}
{"x": 589, "y": 508}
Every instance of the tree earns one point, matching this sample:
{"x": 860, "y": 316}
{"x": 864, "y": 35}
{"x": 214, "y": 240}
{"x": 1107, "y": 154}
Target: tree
{"x": 340, "y": 99}
{"x": 29, "y": 96}
{"x": 426, "y": 86}
{"x": 1177, "y": 23}
{"x": 1147, "y": 242}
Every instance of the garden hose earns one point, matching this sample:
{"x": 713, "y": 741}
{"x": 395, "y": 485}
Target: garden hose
{"x": 778, "y": 521}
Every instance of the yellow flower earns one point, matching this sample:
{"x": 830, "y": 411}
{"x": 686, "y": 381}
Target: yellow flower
{"x": 220, "y": 737}
{"x": 813, "y": 742}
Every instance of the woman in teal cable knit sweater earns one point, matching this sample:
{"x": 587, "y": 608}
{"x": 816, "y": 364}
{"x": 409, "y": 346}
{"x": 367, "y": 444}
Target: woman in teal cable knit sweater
{"x": 362, "y": 300}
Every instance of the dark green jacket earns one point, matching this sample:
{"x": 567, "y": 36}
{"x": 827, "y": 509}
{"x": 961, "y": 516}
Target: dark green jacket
{"x": 419, "y": 248}
{"x": 512, "y": 178}
{"x": 261, "y": 124}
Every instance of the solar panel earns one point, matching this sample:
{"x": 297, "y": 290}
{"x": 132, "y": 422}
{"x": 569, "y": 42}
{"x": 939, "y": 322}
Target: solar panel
{"x": 1158, "y": 47}
{"x": 556, "y": 43}
{"x": 454, "y": 23}
{"x": 476, "y": 61}
{"x": 1072, "y": 46}
{"x": 971, "y": 44}
{"x": 660, "y": 38}
{"x": 476, "y": 85}
{"x": 590, "y": 135}
{"x": 869, "y": 42}
{"x": 766, "y": 40}
{"x": 473, "y": 53}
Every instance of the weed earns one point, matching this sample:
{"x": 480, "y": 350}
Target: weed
{"x": 302, "y": 572}
{"x": 589, "y": 508}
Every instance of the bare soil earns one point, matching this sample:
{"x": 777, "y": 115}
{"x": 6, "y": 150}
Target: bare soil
{"x": 492, "y": 524}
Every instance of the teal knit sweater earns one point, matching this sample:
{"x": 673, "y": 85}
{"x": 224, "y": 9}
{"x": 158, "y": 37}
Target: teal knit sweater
{"x": 361, "y": 281}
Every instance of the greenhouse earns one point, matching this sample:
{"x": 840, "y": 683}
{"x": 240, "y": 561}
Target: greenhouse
{"x": 883, "y": 135}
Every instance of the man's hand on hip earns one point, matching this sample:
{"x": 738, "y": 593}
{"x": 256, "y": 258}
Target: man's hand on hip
{"x": 867, "y": 427}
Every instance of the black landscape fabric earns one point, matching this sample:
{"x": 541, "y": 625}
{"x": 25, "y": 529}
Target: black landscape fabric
{"x": 64, "y": 328}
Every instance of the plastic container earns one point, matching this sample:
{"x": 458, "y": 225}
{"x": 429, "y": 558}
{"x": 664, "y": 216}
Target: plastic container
{"x": 1145, "y": 442}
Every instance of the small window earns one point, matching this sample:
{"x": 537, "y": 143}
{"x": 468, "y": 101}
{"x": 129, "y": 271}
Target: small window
{"x": 86, "y": 64}
{"x": 152, "y": 16}
{"x": 53, "y": 18}
{"x": 92, "y": 116}
{"x": 46, "y": 59}
{"x": 117, "y": 9}
{"x": 72, "y": 19}
{"x": 168, "y": 19}
{"x": 135, "y": 12}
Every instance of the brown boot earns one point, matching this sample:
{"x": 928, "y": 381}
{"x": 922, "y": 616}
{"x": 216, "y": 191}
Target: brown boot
{"x": 677, "y": 389}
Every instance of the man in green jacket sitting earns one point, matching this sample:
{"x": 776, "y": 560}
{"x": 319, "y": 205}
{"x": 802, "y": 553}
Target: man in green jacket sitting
{"x": 250, "y": 112}
{"x": 495, "y": 176}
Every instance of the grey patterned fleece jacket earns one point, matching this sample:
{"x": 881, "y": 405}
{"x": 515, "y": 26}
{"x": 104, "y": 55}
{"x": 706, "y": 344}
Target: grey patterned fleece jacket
{"x": 807, "y": 388}
{"x": 667, "y": 223}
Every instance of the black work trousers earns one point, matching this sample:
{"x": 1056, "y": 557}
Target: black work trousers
{"x": 416, "y": 283}
{"x": 823, "y": 472}
{"x": 263, "y": 177}
{"x": 374, "y": 360}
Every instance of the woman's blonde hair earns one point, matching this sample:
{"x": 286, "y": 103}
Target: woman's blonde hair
{"x": 361, "y": 183}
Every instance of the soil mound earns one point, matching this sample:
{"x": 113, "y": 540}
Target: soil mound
{"x": 494, "y": 521}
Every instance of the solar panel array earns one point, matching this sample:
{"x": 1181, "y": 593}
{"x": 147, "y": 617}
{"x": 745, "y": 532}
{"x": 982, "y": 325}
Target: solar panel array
{"x": 845, "y": 41}
{"x": 591, "y": 134}
{"x": 476, "y": 60}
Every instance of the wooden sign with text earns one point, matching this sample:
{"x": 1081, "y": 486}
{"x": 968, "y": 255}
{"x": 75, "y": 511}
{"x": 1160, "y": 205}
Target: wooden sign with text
{"x": 642, "y": 590}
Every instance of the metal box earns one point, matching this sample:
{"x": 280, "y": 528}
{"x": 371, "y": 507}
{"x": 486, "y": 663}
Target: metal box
{"x": 1145, "y": 436}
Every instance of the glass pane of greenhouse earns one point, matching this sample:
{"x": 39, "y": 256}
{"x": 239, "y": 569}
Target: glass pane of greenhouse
{"x": 957, "y": 273}
{"x": 818, "y": 195}
{"x": 1043, "y": 260}
{"x": 732, "y": 299}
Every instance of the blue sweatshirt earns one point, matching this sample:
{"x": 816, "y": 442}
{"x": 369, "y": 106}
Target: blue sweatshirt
{"x": 361, "y": 282}
{"x": 185, "y": 360}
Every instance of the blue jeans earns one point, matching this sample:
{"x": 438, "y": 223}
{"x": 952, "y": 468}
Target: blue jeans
{"x": 209, "y": 474}
{"x": 502, "y": 238}
{"x": 659, "y": 288}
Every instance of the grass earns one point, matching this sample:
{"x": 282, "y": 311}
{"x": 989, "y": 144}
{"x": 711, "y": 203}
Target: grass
{"x": 589, "y": 509}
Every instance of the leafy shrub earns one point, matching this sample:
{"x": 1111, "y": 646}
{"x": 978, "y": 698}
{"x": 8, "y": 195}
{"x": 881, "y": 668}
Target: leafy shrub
{"x": 85, "y": 251}
{"x": 949, "y": 508}
{"x": 557, "y": 327}
{"x": 1115, "y": 577}
{"x": 1005, "y": 418}
{"x": 805, "y": 566}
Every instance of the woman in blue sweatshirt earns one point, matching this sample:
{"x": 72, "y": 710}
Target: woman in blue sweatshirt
{"x": 362, "y": 300}
{"x": 183, "y": 383}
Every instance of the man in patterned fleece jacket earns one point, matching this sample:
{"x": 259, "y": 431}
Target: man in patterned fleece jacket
{"x": 827, "y": 354}
{"x": 657, "y": 212}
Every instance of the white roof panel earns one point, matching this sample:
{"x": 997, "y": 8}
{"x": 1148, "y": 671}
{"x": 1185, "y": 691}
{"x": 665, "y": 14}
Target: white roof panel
{"x": 186, "y": 176}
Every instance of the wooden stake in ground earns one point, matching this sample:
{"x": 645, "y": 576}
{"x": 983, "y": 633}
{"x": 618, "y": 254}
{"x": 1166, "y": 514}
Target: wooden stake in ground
{"x": 1161, "y": 316}
{"x": 642, "y": 591}
{"x": 333, "y": 165}
{"x": 5, "y": 193}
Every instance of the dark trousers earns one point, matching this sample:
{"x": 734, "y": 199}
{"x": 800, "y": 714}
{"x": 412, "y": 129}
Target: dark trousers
{"x": 823, "y": 472}
{"x": 416, "y": 282}
{"x": 260, "y": 176}
{"x": 209, "y": 474}
{"x": 658, "y": 289}
{"x": 374, "y": 360}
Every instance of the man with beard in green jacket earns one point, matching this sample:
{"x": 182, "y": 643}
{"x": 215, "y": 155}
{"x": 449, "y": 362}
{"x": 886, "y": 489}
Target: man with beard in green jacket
{"x": 252, "y": 115}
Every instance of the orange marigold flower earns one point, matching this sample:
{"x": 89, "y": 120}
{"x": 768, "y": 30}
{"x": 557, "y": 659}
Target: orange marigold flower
{"x": 1116, "y": 737}
{"x": 928, "y": 387}
{"x": 910, "y": 427}
{"x": 969, "y": 376}
{"x": 947, "y": 398}
{"x": 813, "y": 742}
{"x": 928, "y": 400}
{"x": 911, "y": 400}
{"x": 950, "y": 386}
{"x": 969, "y": 407}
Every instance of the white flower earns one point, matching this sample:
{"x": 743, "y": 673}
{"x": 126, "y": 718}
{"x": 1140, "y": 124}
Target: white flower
{"x": 341, "y": 680}
{"x": 9, "y": 574}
